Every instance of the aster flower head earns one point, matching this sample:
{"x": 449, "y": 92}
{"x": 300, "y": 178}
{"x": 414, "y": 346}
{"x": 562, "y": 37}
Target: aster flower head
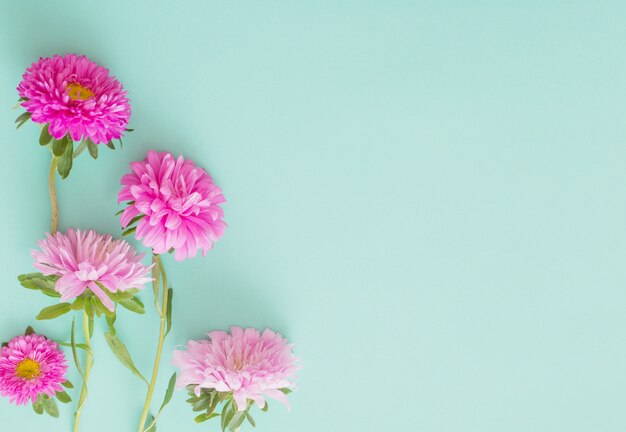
{"x": 84, "y": 264}
{"x": 175, "y": 204}
{"x": 242, "y": 368}
{"x": 72, "y": 94}
{"x": 31, "y": 366}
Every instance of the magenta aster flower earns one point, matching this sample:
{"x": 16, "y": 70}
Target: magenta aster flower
{"x": 87, "y": 259}
{"x": 73, "y": 94}
{"x": 247, "y": 363}
{"x": 31, "y": 365}
{"x": 177, "y": 203}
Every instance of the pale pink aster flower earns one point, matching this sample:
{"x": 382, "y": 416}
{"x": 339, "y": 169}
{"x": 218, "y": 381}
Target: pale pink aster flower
{"x": 84, "y": 259}
{"x": 247, "y": 363}
{"x": 73, "y": 94}
{"x": 178, "y": 205}
{"x": 29, "y": 366}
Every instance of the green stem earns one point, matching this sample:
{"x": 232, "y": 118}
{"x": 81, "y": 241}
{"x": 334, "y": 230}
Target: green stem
{"x": 53, "y": 196}
{"x": 88, "y": 365}
{"x": 157, "y": 359}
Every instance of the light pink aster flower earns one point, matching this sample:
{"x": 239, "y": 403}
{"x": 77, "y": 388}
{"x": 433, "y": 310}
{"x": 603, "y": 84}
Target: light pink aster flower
{"x": 84, "y": 259}
{"x": 177, "y": 202}
{"x": 247, "y": 363}
{"x": 31, "y": 365}
{"x": 73, "y": 94}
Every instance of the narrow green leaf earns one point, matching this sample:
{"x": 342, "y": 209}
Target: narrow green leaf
{"x": 29, "y": 331}
{"x": 119, "y": 212}
{"x": 67, "y": 384}
{"x": 169, "y": 310}
{"x": 150, "y": 425}
{"x": 50, "y": 405}
{"x": 133, "y": 305}
{"x": 204, "y": 417}
{"x": 65, "y": 161}
{"x": 110, "y": 145}
{"x": 54, "y": 311}
{"x": 265, "y": 407}
{"x": 121, "y": 143}
{"x": 227, "y": 414}
{"x": 130, "y": 130}
{"x": 79, "y": 304}
{"x": 90, "y": 325}
{"x": 122, "y": 354}
{"x": 168, "y": 393}
{"x": 111, "y": 324}
{"x": 129, "y": 231}
{"x": 73, "y": 345}
{"x": 63, "y": 397}
{"x": 45, "y": 137}
{"x": 250, "y": 419}
{"x": 93, "y": 148}
{"x": 21, "y": 119}
{"x": 236, "y": 420}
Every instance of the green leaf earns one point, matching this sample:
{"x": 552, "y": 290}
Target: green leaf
{"x": 100, "y": 308}
{"x": 50, "y": 405}
{"x": 45, "y": 137}
{"x": 111, "y": 324}
{"x": 265, "y": 407}
{"x": 29, "y": 331}
{"x": 129, "y": 231}
{"x": 169, "y": 310}
{"x": 73, "y": 345}
{"x": 236, "y": 420}
{"x": 79, "y": 304}
{"x": 286, "y": 390}
{"x": 63, "y": 397}
{"x": 122, "y": 354}
{"x": 168, "y": 393}
{"x": 90, "y": 325}
{"x": 59, "y": 146}
{"x": 38, "y": 281}
{"x": 67, "y": 384}
{"x": 204, "y": 417}
{"x": 110, "y": 145}
{"x": 21, "y": 119}
{"x": 133, "y": 305}
{"x": 250, "y": 419}
{"x": 54, "y": 311}
{"x": 65, "y": 161}
{"x": 121, "y": 143}
{"x": 38, "y": 404}
{"x": 150, "y": 424}
{"x": 129, "y": 130}
{"x": 227, "y": 414}
{"x": 93, "y": 148}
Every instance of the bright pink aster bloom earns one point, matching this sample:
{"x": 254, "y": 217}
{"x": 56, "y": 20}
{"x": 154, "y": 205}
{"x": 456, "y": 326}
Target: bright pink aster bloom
{"x": 83, "y": 259}
{"x": 73, "y": 94}
{"x": 180, "y": 202}
{"x": 31, "y": 365}
{"x": 250, "y": 364}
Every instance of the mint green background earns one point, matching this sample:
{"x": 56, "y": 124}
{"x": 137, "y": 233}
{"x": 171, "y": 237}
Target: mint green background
{"x": 428, "y": 198}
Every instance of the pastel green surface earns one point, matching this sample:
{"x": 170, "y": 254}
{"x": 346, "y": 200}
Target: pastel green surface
{"x": 427, "y": 198}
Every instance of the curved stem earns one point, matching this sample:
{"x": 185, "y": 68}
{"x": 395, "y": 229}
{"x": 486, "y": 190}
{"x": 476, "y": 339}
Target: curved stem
{"x": 157, "y": 359}
{"x": 53, "y": 196}
{"x": 88, "y": 364}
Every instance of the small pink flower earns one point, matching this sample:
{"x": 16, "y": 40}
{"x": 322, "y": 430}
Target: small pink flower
{"x": 73, "y": 94}
{"x": 247, "y": 363}
{"x": 84, "y": 259}
{"x": 178, "y": 203}
{"x": 31, "y": 365}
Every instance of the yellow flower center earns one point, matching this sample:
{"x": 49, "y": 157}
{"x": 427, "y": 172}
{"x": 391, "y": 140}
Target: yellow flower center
{"x": 78, "y": 92}
{"x": 28, "y": 369}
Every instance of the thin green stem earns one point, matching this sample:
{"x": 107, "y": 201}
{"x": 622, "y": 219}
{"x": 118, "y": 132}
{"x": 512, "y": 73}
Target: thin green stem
{"x": 157, "y": 359}
{"x": 88, "y": 365}
{"x": 53, "y": 196}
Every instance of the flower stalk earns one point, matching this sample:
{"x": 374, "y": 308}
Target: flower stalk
{"x": 53, "y": 196}
{"x": 162, "y": 311}
{"x": 88, "y": 365}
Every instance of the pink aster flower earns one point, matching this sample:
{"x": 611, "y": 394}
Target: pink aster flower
{"x": 247, "y": 363}
{"x": 73, "y": 94}
{"x": 31, "y": 365}
{"x": 177, "y": 202}
{"x": 85, "y": 259}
